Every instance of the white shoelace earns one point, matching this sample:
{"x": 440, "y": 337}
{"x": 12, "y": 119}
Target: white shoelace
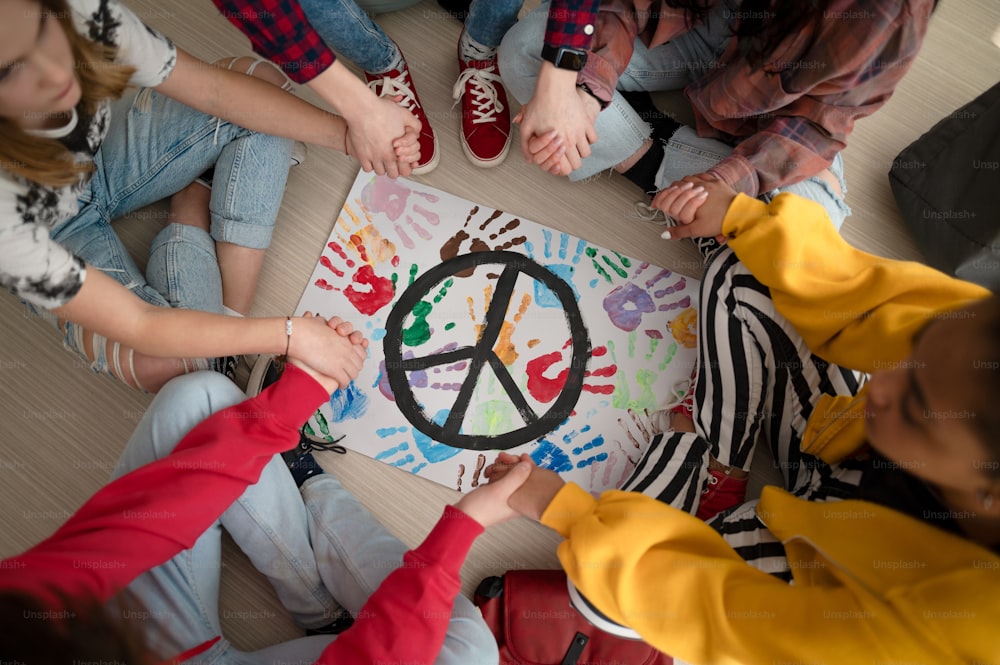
{"x": 393, "y": 86}
{"x": 484, "y": 93}
{"x": 648, "y": 213}
{"x": 660, "y": 417}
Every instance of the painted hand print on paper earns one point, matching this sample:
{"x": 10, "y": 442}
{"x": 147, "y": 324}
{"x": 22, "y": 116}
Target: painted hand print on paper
{"x": 491, "y": 332}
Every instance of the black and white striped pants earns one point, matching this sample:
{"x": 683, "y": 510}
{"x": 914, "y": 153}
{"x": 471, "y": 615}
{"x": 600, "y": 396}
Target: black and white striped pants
{"x": 756, "y": 379}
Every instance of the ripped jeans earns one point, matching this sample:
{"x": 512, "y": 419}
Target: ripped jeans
{"x": 155, "y": 147}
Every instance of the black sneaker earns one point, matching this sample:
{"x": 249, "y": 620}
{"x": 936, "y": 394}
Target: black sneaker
{"x": 310, "y": 443}
{"x": 300, "y": 461}
{"x": 343, "y": 621}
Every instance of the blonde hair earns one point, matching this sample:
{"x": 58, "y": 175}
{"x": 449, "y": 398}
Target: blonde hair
{"x": 47, "y": 161}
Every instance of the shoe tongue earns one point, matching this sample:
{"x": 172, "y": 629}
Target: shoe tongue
{"x": 477, "y": 64}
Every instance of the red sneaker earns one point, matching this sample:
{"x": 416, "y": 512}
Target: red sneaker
{"x": 721, "y": 493}
{"x": 394, "y": 83}
{"x": 686, "y": 405}
{"x": 485, "y": 112}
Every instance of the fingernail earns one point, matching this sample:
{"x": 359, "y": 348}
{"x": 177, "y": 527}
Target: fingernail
{"x": 687, "y": 185}
{"x": 665, "y": 235}
{"x": 698, "y": 189}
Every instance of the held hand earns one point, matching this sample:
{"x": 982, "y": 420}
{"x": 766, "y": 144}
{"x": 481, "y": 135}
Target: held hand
{"x": 504, "y": 463}
{"x": 345, "y": 329}
{"x": 698, "y": 202}
{"x": 377, "y": 136}
{"x": 330, "y": 357}
{"x": 536, "y": 493}
{"x": 559, "y": 104}
{"x": 549, "y": 150}
{"x": 489, "y": 504}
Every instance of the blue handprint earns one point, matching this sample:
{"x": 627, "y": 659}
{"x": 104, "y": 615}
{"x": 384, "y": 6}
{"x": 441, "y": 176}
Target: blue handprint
{"x": 348, "y": 403}
{"x": 562, "y": 453}
{"x": 409, "y": 442}
{"x": 564, "y": 271}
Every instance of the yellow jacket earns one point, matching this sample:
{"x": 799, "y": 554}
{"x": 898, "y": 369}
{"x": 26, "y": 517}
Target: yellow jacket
{"x": 871, "y": 585}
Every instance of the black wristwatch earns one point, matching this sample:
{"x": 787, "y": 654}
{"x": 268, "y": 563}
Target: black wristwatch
{"x": 564, "y": 57}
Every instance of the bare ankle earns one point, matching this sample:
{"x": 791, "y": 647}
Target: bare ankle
{"x": 731, "y": 471}
{"x": 625, "y": 165}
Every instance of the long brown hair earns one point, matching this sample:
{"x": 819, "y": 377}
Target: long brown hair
{"x": 47, "y": 161}
{"x": 80, "y": 631}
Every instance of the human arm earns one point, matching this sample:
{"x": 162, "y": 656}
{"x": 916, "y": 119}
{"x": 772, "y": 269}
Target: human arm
{"x": 558, "y": 103}
{"x": 675, "y": 580}
{"x": 405, "y": 620}
{"x": 103, "y": 305}
{"x": 147, "y": 516}
{"x": 281, "y": 32}
{"x": 852, "y": 308}
{"x": 375, "y": 125}
{"x": 560, "y": 110}
{"x": 251, "y": 103}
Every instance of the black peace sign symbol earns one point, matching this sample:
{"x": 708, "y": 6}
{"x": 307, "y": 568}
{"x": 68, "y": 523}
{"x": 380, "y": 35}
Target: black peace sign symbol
{"x": 536, "y": 425}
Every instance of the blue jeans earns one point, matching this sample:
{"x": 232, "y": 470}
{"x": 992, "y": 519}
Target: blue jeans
{"x": 155, "y": 147}
{"x": 347, "y": 28}
{"x": 320, "y": 548}
{"x": 671, "y": 66}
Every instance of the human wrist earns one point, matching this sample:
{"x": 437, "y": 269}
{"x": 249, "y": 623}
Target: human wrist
{"x": 592, "y": 103}
{"x": 343, "y": 91}
{"x": 289, "y": 328}
{"x": 553, "y": 81}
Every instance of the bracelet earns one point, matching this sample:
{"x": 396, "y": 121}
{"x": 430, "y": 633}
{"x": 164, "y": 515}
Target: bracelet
{"x": 288, "y": 334}
{"x": 586, "y": 89}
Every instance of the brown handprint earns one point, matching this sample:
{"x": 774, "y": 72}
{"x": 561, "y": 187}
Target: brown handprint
{"x": 454, "y": 245}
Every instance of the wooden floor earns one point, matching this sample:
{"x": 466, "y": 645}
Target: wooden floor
{"x": 61, "y": 428}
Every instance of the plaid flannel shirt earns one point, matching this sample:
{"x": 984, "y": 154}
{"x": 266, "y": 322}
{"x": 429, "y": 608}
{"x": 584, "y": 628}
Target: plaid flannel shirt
{"x": 280, "y": 32}
{"x": 790, "y": 117}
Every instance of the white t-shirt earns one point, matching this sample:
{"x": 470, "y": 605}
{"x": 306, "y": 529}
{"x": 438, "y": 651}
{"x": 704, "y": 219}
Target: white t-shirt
{"x": 32, "y": 266}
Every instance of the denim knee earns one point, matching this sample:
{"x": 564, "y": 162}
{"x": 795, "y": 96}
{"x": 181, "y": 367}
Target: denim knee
{"x": 190, "y": 398}
{"x": 518, "y": 55}
{"x": 249, "y": 183}
{"x": 184, "y": 269}
{"x": 819, "y": 190}
{"x": 181, "y": 404}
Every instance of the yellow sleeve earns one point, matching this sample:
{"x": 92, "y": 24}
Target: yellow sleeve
{"x": 674, "y": 580}
{"x": 852, "y": 308}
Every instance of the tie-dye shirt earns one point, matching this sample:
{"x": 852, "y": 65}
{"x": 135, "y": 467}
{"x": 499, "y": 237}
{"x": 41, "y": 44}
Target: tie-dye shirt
{"x": 32, "y": 266}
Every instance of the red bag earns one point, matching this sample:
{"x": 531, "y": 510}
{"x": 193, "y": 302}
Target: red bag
{"x": 530, "y": 614}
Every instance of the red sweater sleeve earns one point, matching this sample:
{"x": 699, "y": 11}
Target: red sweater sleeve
{"x": 406, "y": 619}
{"x": 146, "y": 517}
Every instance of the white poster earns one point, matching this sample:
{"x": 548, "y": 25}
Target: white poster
{"x": 491, "y": 332}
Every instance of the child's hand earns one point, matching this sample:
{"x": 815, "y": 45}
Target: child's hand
{"x": 345, "y": 329}
{"x": 330, "y": 357}
{"x": 699, "y": 203}
{"x": 549, "y": 152}
{"x": 504, "y": 463}
{"x": 532, "y": 497}
{"x": 488, "y": 504}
